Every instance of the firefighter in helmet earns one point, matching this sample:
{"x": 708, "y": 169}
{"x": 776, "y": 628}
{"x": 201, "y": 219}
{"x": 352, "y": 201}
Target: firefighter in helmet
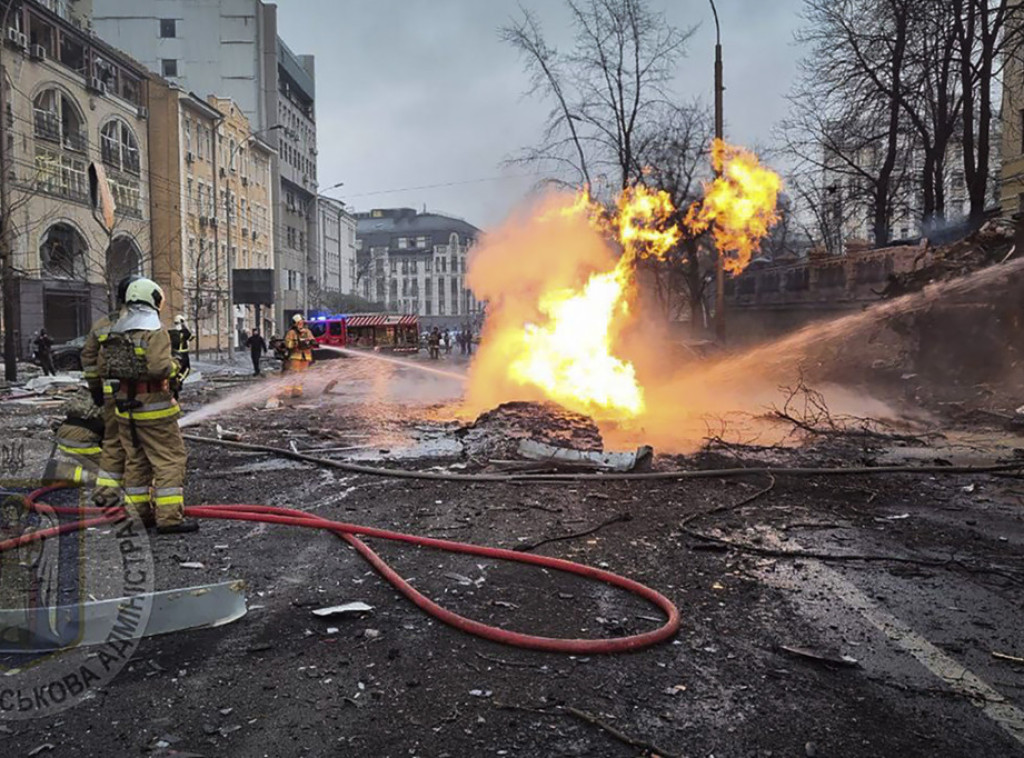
{"x": 298, "y": 344}
{"x": 110, "y": 476}
{"x": 138, "y": 354}
{"x": 180, "y": 337}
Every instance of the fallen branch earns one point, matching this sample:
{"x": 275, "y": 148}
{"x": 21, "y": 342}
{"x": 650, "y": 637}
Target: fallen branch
{"x": 525, "y": 548}
{"x": 648, "y": 747}
{"x": 1005, "y": 657}
{"x": 731, "y": 506}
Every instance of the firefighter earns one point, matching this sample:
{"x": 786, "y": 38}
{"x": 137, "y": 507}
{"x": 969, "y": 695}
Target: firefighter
{"x": 79, "y": 442}
{"x": 138, "y": 354}
{"x": 110, "y": 476}
{"x": 180, "y": 337}
{"x": 298, "y": 344}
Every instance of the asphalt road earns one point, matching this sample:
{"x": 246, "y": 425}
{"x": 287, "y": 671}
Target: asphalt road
{"x": 880, "y": 646}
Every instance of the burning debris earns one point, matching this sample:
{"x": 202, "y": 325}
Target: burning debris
{"x": 561, "y": 287}
{"x": 496, "y": 434}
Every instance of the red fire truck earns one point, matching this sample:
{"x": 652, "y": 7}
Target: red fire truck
{"x": 391, "y": 332}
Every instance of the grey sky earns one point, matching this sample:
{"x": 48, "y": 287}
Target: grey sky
{"x": 422, "y": 92}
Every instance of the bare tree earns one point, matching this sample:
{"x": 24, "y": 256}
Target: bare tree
{"x": 676, "y": 160}
{"x": 605, "y": 91}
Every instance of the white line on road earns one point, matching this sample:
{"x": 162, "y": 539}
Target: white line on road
{"x": 993, "y": 704}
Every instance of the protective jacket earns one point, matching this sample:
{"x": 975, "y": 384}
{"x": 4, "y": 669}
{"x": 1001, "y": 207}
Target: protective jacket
{"x": 299, "y": 342}
{"x": 110, "y": 476}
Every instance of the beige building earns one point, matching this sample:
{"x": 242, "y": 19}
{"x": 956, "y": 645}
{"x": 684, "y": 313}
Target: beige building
{"x": 213, "y": 164}
{"x": 1011, "y": 185}
{"x": 70, "y": 100}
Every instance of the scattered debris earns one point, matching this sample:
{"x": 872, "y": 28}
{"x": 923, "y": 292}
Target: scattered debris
{"x": 1005, "y": 657}
{"x": 533, "y": 450}
{"x": 226, "y": 434}
{"x": 835, "y": 660}
{"x": 170, "y": 611}
{"x": 480, "y": 693}
{"x": 192, "y": 565}
{"x": 44, "y": 748}
{"x": 353, "y": 608}
{"x": 496, "y": 433}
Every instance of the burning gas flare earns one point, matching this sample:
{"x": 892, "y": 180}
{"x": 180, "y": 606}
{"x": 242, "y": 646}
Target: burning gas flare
{"x": 560, "y": 287}
{"x": 740, "y": 204}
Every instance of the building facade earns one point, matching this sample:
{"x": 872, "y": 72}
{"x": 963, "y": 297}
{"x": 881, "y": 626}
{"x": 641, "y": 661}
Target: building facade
{"x": 416, "y": 263}
{"x": 1011, "y": 184}
{"x": 71, "y": 100}
{"x": 230, "y": 48}
{"x": 337, "y": 247}
{"x": 218, "y": 197}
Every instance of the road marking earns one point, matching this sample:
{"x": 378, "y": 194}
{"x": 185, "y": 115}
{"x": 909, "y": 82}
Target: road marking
{"x": 992, "y": 703}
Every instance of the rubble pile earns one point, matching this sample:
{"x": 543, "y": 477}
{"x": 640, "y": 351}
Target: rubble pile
{"x": 985, "y": 247}
{"x": 496, "y": 433}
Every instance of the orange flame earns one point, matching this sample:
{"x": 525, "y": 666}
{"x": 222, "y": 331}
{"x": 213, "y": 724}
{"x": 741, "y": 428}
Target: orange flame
{"x": 740, "y": 204}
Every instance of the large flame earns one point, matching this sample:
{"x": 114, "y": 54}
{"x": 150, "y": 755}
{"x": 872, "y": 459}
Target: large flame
{"x": 560, "y": 287}
{"x": 739, "y": 203}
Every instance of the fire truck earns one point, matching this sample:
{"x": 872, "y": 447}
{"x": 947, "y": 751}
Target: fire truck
{"x": 386, "y": 332}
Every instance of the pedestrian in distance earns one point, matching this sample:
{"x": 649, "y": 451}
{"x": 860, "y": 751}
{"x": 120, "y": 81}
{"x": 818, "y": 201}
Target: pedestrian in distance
{"x": 447, "y": 342}
{"x": 257, "y": 347}
{"x": 44, "y": 352}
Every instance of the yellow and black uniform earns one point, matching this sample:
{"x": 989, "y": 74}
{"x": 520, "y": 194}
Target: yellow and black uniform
{"x": 180, "y": 338}
{"x": 147, "y": 416}
{"x": 79, "y": 443}
{"x": 110, "y": 475}
{"x": 298, "y": 344}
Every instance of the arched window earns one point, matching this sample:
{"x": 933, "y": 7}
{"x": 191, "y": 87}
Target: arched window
{"x": 124, "y": 258}
{"x": 56, "y": 118}
{"x": 120, "y": 149}
{"x": 62, "y": 252}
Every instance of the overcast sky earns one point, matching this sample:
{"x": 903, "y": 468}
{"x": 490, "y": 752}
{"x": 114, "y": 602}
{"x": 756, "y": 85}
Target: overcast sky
{"x": 422, "y": 92}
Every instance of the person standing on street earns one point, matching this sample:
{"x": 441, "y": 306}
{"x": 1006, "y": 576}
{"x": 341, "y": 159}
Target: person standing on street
{"x": 434, "y": 343}
{"x": 44, "y": 352}
{"x": 257, "y": 347}
{"x": 137, "y": 353}
{"x": 110, "y": 477}
{"x": 298, "y": 344}
{"x": 180, "y": 337}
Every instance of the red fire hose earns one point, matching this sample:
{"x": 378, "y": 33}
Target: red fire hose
{"x": 291, "y": 517}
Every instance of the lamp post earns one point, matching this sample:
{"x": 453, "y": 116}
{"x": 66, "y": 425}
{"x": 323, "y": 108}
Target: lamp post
{"x": 227, "y": 220}
{"x": 719, "y": 260}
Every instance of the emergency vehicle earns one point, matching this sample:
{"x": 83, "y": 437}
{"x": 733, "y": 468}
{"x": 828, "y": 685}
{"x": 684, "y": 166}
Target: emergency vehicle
{"x": 390, "y": 332}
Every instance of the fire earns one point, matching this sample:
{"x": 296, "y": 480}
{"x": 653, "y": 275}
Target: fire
{"x": 740, "y": 204}
{"x": 560, "y": 286}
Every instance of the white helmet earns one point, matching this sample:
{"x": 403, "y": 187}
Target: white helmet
{"x": 298, "y": 319}
{"x": 179, "y": 319}
{"x": 144, "y": 291}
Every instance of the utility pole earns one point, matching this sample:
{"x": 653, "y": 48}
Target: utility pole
{"x": 719, "y": 130}
{"x": 6, "y": 245}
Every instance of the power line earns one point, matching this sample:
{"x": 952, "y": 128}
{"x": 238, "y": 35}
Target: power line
{"x": 448, "y": 184}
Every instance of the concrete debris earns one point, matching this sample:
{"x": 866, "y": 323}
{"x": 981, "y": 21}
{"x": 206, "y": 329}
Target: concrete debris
{"x": 346, "y": 609}
{"x": 227, "y": 434}
{"x": 811, "y": 655}
{"x": 53, "y": 383}
{"x": 533, "y": 450}
{"x": 497, "y": 432}
{"x": 192, "y": 565}
{"x": 170, "y": 611}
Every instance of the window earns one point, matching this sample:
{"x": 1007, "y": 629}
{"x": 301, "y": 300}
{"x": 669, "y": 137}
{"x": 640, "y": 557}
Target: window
{"x": 57, "y": 119}
{"x": 421, "y": 242}
{"x": 62, "y": 174}
{"x": 169, "y": 67}
{"x": 119, "y": 147}
{"x": 168, "y": 28}
{"x": 62, "y": 252}
{"x": 403, "y": 243}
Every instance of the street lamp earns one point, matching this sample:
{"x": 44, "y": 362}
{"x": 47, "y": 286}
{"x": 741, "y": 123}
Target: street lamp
{"x": 719, "y": 260}
{"x": 227, "y": 213}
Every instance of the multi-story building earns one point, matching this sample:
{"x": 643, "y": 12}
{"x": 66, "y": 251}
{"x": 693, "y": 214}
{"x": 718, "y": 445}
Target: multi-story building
{"x": 210, "y": 166}
{"x": 337, "y": 246}
{"x": 416, "y": 263}
{"x": 71, "y": 100}
{"x": 1011, "y": 185}
{"x": 230, "y": 48}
